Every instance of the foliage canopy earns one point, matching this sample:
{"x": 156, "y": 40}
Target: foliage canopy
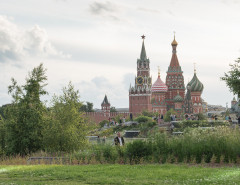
{"x": 232, "y": 78}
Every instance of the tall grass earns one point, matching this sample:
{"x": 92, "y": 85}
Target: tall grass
{"x": 216, "y": 145}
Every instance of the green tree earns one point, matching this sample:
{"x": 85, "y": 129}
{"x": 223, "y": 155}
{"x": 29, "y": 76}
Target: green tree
{"x": 113, "y": 109}
{"x": 66, "y": 128}
{"x": 2, "y": 136}
{"x": 88, "y": 107}
{"x": 24, "y": 117}
{"x": 232, "y": 78}
{"x": 168, "y": 114}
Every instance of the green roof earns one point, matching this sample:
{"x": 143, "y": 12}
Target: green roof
{"x": 195, "y": 84}
{"x": 178, "y": 98}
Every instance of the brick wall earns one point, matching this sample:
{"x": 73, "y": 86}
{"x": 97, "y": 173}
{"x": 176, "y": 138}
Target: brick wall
{"x": 100, "y": 116}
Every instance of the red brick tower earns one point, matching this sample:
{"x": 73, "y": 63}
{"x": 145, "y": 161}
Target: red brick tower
{"x": 106, "y": 107}
{"x": 174, "y": 79}
{"x": 140, "y": 93}
{"x": 159, "y": 91}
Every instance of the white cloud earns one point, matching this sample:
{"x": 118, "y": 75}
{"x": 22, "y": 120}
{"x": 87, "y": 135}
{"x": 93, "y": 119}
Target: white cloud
{"x": 16, "y": 44}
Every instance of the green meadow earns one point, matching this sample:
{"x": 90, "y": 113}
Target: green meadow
{"x": 118, "y": 174}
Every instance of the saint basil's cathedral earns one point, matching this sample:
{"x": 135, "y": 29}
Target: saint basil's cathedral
{"x": 161, "y": 97}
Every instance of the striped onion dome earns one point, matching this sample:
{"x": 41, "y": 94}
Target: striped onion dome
{"x": 195, "y": 84}
{"x": 178, "y": 98}
{"x": 159, "y": 85}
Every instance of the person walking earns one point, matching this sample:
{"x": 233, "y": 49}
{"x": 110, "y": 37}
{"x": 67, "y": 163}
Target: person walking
{"x": 131, "y": 116}
{"x": 119, "y": 141}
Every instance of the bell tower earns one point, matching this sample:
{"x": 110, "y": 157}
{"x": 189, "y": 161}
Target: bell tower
{"x": 140, "y": 93}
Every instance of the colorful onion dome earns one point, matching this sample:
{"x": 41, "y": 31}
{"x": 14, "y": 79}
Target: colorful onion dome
{"x": 159, "y": 85}
{"x": 178, "y": 98}
{"x": 195, "y": 84}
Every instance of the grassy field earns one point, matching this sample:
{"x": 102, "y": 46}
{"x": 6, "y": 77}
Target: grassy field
{"x": 118, "y": 174}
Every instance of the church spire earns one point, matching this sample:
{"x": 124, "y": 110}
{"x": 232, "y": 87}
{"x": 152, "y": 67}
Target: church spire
{"x": 158, "y": 72}
{"x": 174, "y": 42}
{"x": 174, "y": 45}
{"x": 174, "y": 61}
{"x": 143, "y": 55}
{"x": 195, "y": 68}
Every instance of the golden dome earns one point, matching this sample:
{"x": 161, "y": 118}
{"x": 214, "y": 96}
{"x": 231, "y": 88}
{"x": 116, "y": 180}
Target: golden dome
{"x": 174, "y": 42}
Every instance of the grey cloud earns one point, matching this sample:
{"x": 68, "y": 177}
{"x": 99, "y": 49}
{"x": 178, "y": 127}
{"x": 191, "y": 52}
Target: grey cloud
{"x": 101, "y": 81}
{"x": 17, "y": 44}
{"x": 128, "y": 79}
{"x": 148, "y": 10}
{"x": 106, "y": 10}
{"x": 99, "y": 7}
{"x": 95, "y": 89}
{"x": 228, "y": 2}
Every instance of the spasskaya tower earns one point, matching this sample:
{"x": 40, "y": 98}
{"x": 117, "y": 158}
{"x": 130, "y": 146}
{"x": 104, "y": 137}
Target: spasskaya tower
{"x": 140, "y": 93}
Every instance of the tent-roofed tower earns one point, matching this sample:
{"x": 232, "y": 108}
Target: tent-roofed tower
{"x": 174, "y": 78}
{"x": 140, "y": 93}
{"x": 106, "y": 106}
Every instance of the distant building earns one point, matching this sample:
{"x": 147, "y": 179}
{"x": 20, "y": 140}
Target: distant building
{"x": 104, "y": 113}
{"x": 235, "y": 106}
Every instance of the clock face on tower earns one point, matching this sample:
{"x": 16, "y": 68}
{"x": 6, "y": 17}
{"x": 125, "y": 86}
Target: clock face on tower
{"x": 139, "y": 80}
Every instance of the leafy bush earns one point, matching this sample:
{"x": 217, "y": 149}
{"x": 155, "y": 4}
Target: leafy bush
{"x": 102, "y": 123}
{"x": 137, "y": 150}
{"x": 149, "y": 114}
{"x": 143, "y": 119}
{"x": 168, "y": 114}
{"x": 109, "y": 153}
{"x": 199, "y": 123}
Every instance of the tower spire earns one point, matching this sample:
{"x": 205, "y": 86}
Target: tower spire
{"x": 194, "y": 68}
{"x": 174, "y": 42}
{"x": 174, "y": 60}
{"x": 143, "y": 55}
{"x": 158, "y": 72}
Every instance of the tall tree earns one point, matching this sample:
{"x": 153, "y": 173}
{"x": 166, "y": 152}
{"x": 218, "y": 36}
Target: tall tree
{"x": 88, "y": 107}
{"x": 113, "y": 109}
{"x": 25, "y": 115}
{"x": 66, "y": 128}
{"x": 232, "y": 78}
{"x": 2, "y": 136}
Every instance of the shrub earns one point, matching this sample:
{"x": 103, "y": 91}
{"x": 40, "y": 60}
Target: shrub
{"x": 102, "y": 123}
{"x": 168, "y": 114}
{"x": 109, "y": 153}
{"x": 137, "y": 150}
{"x": 143, "y": 119}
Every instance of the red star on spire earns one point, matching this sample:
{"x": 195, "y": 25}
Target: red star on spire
{"x": 143, "y": 37}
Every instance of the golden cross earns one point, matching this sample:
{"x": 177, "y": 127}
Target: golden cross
{"x": 194, "y": 67}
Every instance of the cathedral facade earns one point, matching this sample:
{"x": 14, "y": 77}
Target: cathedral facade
{"x": 161, "y": 97}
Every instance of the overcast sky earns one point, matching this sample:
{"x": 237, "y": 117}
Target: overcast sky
{"x": 96, "y": 43}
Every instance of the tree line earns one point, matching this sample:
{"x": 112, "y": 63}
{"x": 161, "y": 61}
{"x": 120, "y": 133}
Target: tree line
{"x": 27, "y": 125}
